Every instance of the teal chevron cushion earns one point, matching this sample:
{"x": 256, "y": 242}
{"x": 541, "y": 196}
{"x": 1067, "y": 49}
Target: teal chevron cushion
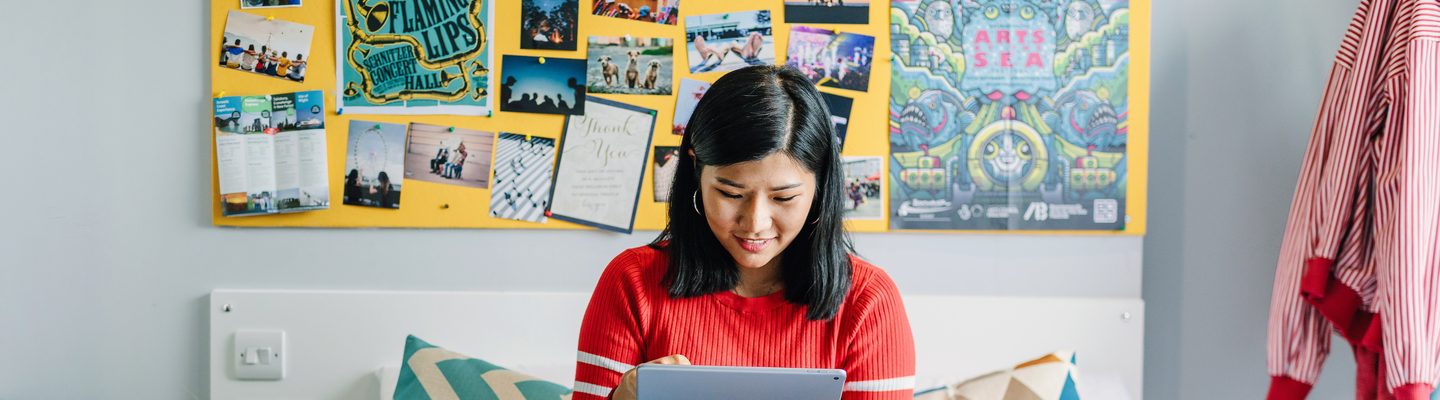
{"x": 433, "y": 373}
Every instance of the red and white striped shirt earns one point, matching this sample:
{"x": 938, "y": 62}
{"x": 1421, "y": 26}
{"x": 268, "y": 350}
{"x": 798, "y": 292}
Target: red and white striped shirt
{"x": 1359, "y": 254}
{"x": 632, "y": 319}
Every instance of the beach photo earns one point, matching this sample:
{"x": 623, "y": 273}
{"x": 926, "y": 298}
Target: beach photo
{"x": 556, "y": 86}
{"x": 629, "y": 65}
{"x": 274, "y": 48}
{"x": 727, "y": 42}
{"x": 448, "y": 155}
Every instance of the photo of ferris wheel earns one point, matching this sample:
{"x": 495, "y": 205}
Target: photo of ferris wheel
{"x": 375, "y": 164}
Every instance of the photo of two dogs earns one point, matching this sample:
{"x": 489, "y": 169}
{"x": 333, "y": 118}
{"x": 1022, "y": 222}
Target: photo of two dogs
{"x": 624, "y": 65}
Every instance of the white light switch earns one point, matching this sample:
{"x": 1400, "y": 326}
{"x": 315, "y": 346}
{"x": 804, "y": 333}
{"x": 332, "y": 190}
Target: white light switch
{"x": 259, "y": 354}
{"x": 249, "y": 357}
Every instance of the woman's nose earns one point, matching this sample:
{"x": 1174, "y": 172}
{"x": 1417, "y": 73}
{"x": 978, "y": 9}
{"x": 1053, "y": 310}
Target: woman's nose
{"x": 755, "y": 215}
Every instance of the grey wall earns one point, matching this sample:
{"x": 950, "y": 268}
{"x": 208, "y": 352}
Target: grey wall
{"x": 107, "y": 253}
{"x": 1234, "y": 91}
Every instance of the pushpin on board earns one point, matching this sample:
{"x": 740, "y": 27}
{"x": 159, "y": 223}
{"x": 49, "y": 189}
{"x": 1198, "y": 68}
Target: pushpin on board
{"x": 339, "y": 111}
{"x": 445, "y": 206}
{"x": 542, "y": 60}
{"x": 452, "y": 129}
{"x": 489, "y": 113}
{"x": 269, "y": 17}
{"x": 221, "y": 94}
{"x": 377, "y": 126}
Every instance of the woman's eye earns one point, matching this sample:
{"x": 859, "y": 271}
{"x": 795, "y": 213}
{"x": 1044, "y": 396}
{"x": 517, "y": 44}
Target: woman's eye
{"x": 785, "y": 199}
{"x": 729, "y": 196}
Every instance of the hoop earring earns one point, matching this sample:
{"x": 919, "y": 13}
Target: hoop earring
{"x": 695, "y": 205}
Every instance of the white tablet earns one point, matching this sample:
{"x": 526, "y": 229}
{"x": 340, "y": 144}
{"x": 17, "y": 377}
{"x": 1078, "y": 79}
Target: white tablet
{"x": 663, "y": 382}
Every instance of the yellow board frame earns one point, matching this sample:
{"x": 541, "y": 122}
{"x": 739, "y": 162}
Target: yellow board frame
{"x": 430, "y": 205}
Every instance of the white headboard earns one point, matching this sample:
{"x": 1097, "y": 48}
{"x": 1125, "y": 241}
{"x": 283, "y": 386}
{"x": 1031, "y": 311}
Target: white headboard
{"x": 336, "y": 340}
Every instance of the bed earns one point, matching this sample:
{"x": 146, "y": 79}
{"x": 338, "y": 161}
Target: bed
{"x": 348, "y": 344}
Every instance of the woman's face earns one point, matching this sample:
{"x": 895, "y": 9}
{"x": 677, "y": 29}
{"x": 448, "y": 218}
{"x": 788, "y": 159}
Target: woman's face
{"x": 756, "y": 208}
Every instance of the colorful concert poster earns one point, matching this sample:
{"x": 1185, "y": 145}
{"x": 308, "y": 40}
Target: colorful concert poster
{"x": 413, "y": 57}
{"x": 1009, "y": 115}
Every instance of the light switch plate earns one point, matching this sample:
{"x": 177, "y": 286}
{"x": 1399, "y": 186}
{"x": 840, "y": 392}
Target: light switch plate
{"x": 259, "y": 355}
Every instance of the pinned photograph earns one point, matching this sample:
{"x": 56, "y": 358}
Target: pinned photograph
{"x": 523, "y": 169}
{"x": 273, "y": 48}
{"x": 375, "y": 164}
{"x": 629, "y": 65}
{"x": 827, "y": 11}
{"x": 658, "y": 11}
{"x": 839, "y": 115}
{"x": 690, "y": 93}
{"x": 667, "y": 160}
{"x": 449, "y": 155}
{"x": 727, "y": 42}
{"x": 862, "y": 187}
{"x": 549, "y": 24}
{"x": 248, "y": 4}
{"x": 556, "y": 86}
{"x": 829, "y": 59}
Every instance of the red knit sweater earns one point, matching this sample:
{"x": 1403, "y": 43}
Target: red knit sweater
{"x": 631, "y": 319}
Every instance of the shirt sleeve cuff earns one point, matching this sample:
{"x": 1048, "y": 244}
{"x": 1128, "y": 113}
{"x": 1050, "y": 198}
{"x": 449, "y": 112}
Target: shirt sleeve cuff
{"x": 1285, "y": 388}
{"x": 1414, "y": 391}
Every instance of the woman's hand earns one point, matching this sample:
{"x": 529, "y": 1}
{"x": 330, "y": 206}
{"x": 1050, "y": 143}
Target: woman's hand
{"x": 626, "y": 390}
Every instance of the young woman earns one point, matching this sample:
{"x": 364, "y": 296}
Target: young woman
{"x": 247, "y": 62}
{"x": 755, "y": 267}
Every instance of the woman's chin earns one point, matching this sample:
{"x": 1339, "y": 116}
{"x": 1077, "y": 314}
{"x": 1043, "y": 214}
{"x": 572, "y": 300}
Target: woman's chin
{"x": 751, "y": 261}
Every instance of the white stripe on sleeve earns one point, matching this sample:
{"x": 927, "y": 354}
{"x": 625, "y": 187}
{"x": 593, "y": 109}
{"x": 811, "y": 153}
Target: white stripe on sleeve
{"x": 591, "y": 388}
{"x": 603, "y": 362}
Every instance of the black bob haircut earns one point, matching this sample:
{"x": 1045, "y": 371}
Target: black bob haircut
{"x": 748, "y": 115}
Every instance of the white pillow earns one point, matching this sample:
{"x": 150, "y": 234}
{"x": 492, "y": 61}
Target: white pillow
{"x": 388, "y": 375}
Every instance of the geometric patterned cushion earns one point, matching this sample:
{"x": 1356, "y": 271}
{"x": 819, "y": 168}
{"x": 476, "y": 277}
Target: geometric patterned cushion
{"x": 1051, "y": 377}
{"x": 429, "y": 372}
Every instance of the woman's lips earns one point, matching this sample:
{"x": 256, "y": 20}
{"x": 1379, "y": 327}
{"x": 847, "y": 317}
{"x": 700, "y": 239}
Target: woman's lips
{"x": 753, "y": 245}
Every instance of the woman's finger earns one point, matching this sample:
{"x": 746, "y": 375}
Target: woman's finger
{"x": 673, "y": 359}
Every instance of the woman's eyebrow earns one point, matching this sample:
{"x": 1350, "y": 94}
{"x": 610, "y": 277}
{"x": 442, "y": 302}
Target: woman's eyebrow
{"x": 737, "y": 185}
{"x": 728, "y": 182}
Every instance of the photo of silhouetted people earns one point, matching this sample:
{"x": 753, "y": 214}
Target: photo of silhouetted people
{"x": 556, "y": 86}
